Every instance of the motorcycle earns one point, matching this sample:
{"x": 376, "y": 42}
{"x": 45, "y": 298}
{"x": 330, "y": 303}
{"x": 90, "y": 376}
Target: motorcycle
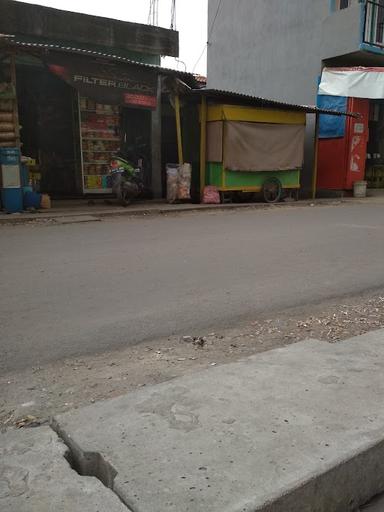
{"x": 127, "y": 181}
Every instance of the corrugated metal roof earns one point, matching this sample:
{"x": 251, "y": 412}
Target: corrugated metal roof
{"x": 189, "y": 78}
{"x": 14, "y": 41}
{"x": 258, "y": 101}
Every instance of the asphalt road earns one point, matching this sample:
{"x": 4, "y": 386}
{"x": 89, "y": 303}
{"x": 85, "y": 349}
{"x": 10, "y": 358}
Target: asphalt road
{"x": 83, "y": 288}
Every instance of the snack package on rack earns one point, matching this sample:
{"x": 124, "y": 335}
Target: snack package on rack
{"x": 184, "y": 182}
{"x": 172, "y": 182}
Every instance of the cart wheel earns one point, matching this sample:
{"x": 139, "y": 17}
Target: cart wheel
{"x": 272, "y": 190}
{"x": 226, "y": 197}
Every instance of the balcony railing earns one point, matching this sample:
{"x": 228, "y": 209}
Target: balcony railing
{"x": 374, "y": 23}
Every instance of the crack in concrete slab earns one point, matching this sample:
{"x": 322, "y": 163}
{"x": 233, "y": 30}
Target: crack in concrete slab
{"x": 90, "y": 464}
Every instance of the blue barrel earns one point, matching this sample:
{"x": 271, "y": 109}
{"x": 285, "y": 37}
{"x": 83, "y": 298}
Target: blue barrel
{"x": 32, "y": 199}
{"x": 12, "y": 199}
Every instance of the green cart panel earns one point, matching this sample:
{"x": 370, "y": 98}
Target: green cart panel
{"x": 252, "y": 181}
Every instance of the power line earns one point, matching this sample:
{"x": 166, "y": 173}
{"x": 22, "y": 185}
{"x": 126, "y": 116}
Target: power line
{"x": 210, "y": 32}
{"x": 199, "y": 59}
{"x": 214, "y": 21}
{"x": 181, "y": 62}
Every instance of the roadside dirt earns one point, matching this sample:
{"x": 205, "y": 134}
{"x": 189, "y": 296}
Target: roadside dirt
{"x": 30, "y": 397}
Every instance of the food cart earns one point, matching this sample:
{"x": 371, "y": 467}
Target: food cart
{"x": 250, "y": 144}
{"x": 247, "y": 144}
{"x": 251, "y": 149}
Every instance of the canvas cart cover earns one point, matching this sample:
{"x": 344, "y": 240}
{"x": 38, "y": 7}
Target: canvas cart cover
{"x": 106, "y": 82}
{"x": 215, "y": 141}
{"x": 263, "y": 147}
{"x": 353, "y": 82}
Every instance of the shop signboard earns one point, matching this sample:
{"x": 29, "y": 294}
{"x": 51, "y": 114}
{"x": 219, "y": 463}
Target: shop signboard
{"x": 107, "y": 82}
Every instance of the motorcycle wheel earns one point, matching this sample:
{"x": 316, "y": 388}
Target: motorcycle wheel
{"x": 125, "y": 200}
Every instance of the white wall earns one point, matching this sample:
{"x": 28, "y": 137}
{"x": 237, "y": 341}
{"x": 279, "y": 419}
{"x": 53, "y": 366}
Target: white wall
{"x": 275, "y": 48}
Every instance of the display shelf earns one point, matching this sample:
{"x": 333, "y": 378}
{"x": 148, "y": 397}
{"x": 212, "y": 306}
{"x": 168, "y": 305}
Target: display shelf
{"x": 98, "y": 151}
{"x": 116, "y": 139}
{"x": 91, "y": 162}
{"x": 98, "y": 130}
{"x": 111, "y": 114}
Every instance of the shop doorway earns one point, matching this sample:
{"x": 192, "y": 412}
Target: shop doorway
{"x": 46, "y": 115}
{"x": 136, "y": 141}
{"x": 375, "y": 148}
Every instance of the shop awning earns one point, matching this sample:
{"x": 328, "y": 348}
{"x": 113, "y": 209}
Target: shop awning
{"x": 353, "y": 82}
{"x": 232, "y": 97}
{"x": 47, "y": 47}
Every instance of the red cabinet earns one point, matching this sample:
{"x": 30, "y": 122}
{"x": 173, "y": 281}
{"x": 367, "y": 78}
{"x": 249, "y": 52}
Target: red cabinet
{"x": 341, "y": 161}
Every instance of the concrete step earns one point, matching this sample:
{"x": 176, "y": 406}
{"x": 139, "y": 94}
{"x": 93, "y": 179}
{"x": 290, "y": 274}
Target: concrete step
{"x": 294, "y": 429}
{"x": 36, "y": 477}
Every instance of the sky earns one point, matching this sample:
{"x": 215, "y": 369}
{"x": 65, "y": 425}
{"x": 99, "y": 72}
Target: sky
{"x": 191, "y": 22}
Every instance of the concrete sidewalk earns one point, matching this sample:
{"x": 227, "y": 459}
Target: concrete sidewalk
{"x": 295, "y": 429}
{"x": 79, "y": 211}
{"x": 36, "y": 477}
{"x": 298, "y": 428}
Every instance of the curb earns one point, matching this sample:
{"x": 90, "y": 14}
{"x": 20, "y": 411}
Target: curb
{"x": 182, "y": 209}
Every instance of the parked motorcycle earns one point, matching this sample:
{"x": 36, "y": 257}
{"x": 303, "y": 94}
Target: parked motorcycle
{"x": 127, "y": 181}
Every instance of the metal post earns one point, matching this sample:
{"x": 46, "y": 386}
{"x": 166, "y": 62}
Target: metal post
{"x": 178, "y": 130}
{"x": 203, "y": 143}
{"x": 156, "y": 181}
{"x": 315, "y": 164}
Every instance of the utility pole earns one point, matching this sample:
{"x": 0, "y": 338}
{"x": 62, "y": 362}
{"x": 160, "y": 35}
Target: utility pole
{"x": 153, "y": 16}
{"x": 173, "y": 15}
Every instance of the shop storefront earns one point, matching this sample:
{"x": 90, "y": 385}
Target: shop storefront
{"x": 351, "y": 150}
{"x": 110, "y": 98}
{"x": 78, "y": 109}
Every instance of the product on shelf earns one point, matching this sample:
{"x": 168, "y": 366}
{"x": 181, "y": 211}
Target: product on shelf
{"x": 99, "y": 129}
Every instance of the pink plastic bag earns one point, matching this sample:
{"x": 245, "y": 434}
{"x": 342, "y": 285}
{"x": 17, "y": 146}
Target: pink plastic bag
{"x": 211, "y": 195}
